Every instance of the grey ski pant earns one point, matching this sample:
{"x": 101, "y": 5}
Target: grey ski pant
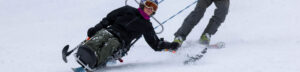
{"x": 103, "y": 43}
{"x": 195, "y": 16}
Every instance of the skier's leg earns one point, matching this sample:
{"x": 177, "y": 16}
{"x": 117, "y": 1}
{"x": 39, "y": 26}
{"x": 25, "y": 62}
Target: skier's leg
{"x": 107, "y": 50}
{"x": 219, "y": 16}
{"x": 86, "y": 52}
{"x": 94, "y": 51}
{"x": 104, "y": 43}
{"x": 216, "y": 20}
{"x": 193, "y": 18}
{"x": 97, "y": 41}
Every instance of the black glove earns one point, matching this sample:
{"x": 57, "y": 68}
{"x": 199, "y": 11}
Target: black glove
{"x": 102, "y": 24}
{"x": 174, "y": 46}
{"x": 91, "y": 32}
{"x": 171, "y": 46}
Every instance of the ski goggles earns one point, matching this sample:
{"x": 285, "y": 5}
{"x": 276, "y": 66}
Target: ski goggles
{"x": 151, "y": 5}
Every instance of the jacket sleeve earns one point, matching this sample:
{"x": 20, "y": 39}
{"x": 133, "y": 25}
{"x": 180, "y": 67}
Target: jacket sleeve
{"x": 152, "y": 40}
{"x": 110, "y": 18}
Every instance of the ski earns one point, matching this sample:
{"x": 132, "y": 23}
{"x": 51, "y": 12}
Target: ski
{"x": 217, "y": 45}
{"x": 197, "y": 57}
{"x": 79, "y": 69}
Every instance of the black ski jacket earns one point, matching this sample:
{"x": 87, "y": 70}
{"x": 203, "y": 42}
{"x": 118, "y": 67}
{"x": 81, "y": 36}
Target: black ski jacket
{"x": 128, "y": 24}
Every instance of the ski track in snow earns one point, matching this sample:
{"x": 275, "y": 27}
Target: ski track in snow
{"x": 260, "y": 36}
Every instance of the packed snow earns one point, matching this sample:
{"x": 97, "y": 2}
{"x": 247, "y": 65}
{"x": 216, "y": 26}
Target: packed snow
{"x": 260, "y": 36}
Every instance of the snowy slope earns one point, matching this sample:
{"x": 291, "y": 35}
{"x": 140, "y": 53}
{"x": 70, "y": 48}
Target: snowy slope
{"x": 261, "y": 36}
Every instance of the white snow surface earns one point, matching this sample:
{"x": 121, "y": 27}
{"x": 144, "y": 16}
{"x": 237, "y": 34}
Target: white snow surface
{"x": 260, "y": 36}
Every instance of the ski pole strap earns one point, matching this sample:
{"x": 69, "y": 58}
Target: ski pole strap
{"x": 160, "y": 24}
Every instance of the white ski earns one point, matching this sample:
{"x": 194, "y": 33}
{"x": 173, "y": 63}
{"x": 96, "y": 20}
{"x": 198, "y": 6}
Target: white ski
{"x": 197, "y": 57}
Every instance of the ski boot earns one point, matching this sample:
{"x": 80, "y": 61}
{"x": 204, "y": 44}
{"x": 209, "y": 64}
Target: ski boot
{"x": 205, "y": 39}
{"x": 179, "y": 40}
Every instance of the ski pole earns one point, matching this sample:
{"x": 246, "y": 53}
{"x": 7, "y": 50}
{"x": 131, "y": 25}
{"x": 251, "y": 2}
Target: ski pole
{"x": 66, "y": 53}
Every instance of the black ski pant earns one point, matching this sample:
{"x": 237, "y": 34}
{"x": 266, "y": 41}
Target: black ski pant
{"x": 195, "y": 16}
